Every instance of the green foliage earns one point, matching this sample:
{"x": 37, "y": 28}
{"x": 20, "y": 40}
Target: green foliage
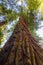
{"x": 27, "y": 12}
{"x": 8, "y": 14}
{"x": 33, "y": 4}
{"x": 1, "y": 35}
{"x": 33, "y": 33}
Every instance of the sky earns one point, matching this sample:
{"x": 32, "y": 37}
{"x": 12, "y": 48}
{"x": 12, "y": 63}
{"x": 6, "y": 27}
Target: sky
{"x": 39, "y": 31}
{"x": 7, "y": 35}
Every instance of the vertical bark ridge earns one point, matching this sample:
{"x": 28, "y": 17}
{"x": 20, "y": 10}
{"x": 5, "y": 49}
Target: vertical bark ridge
{"x": 21, "y": 48}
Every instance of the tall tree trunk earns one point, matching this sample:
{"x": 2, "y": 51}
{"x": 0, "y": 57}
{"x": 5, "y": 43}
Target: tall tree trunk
{"x": 21, "y": 48}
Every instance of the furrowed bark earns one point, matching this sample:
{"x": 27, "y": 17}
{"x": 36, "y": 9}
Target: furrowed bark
{"x": 21, "y": 48}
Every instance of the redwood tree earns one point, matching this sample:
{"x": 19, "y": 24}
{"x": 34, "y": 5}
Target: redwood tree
{"x": 21, "y": 48}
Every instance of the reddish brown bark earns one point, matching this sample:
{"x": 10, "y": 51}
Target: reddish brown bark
{"x": 21, "y": 48}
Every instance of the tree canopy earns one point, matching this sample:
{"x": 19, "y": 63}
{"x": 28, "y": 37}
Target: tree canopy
{"x": 11, "y": 9}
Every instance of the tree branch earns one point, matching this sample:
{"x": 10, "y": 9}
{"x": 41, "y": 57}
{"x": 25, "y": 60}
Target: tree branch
{"x": 2, "y": 23}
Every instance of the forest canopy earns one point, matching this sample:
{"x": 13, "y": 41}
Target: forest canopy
{"x": 10, "y": 10}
